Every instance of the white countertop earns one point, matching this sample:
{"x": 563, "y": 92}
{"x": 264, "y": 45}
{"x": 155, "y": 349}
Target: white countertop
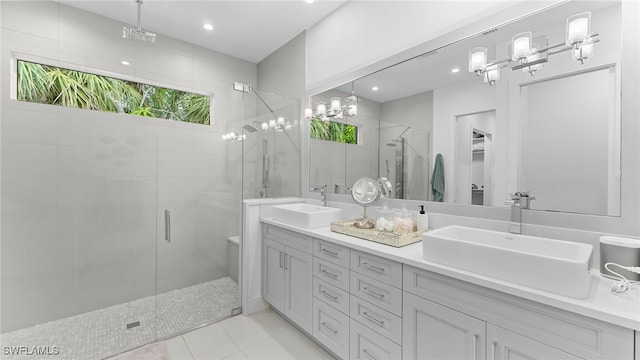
{"x": 621, "y": 310}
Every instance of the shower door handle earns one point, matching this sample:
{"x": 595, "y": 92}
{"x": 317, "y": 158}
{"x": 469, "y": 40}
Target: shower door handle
{"x": 167, "y": 225}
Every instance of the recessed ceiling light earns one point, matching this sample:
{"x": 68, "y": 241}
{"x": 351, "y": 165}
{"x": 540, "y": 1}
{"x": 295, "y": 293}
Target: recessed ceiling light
{"x": 124, "y": 62}
{"x": 375, "y": 88}
{"x": 309, "y": 1}
{"x": 455, "y": 70}
{"x": 208, "y": 26}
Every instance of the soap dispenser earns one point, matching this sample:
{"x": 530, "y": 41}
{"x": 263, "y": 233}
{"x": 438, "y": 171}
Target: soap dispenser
{"x": 403, "y": 222}
{"x": 422, "y": 219}
{"x": 384, "y": 221}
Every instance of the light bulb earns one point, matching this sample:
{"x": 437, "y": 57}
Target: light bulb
{"x": 280, "y": 121}
{"x": 352, "y": 109}
{"x": 336, "y": 104}
{"x": 521, "y": 46}
{"x": 308, "y": 113}
{"x": 578, "y": 27}
{"x": 492, "y": 75}
{"x": 321, "y": 109}
{"x": 272, "y": 123}
{"x": 477, "y": 60}
{"x": 265, "y": 126}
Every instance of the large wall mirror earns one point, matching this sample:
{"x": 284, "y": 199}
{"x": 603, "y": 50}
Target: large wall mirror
{"x": 548, "y": 123}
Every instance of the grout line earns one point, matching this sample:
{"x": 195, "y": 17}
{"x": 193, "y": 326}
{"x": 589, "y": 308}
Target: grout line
{"x": 187, "y": 346}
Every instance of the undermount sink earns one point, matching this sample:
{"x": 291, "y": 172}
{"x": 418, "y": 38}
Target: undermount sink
{"x": 560, "y": 267}
{"x": 306, "y": 215}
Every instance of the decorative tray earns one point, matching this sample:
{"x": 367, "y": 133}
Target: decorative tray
{"x": 347, "y": 227}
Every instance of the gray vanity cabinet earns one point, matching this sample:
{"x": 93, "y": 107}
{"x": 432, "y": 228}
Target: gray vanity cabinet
{"x": 433, "y": 331}
{"x": 286, "y": 274}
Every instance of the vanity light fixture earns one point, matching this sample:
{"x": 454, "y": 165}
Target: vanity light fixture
{"x": 529, "y": 57}
{"x": 337, "y": 109}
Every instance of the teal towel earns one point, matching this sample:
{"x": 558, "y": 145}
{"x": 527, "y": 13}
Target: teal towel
{"x": 437, "y": 180}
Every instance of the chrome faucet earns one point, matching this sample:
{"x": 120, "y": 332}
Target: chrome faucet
{"x": 520, "y": 200}
{"x": 323, "y": 193}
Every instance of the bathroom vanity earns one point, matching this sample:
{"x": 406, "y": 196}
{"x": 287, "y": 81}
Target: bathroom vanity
{"x": 363, "y": 300}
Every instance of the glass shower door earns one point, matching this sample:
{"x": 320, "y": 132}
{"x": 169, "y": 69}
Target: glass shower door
{"x": 198, "y": 220}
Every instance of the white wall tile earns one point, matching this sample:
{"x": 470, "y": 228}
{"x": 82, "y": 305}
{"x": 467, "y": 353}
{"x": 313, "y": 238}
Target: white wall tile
{"x": 175, "y": 164}
{"x": 29, "y": 127}
{"x": 20, "y": 159}
{"x": 174, "y": 140}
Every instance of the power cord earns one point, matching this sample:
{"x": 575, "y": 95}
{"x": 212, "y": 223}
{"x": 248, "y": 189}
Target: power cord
{"x": 623, "y": 285}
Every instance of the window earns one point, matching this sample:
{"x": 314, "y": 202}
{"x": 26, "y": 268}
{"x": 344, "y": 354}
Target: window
{"x": 334, "y": 131}
{"x": 53, "y": 85}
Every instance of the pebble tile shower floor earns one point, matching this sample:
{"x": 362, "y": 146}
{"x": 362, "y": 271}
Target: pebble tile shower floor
{"x": 102, "y": 333}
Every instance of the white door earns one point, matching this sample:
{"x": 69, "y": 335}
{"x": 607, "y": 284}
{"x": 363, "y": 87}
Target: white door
{"x": 273, "y": 273}
{"x": 298, "y": 287}
{"x": 433, "y": 331}
{"x": 504, "y": 344}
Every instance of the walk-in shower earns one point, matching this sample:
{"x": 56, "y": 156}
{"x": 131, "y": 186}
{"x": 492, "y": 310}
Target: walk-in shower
{"x": 400, "y": 160}
{"x": 404, "y": 159}
{"x": 271, "y": 145}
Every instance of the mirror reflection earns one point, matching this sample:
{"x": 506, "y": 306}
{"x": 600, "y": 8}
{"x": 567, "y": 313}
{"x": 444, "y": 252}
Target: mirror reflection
{"x": 529, "y": 106}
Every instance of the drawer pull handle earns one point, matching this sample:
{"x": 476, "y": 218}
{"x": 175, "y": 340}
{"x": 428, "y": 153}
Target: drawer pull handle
{"x": 372, "y": 293}
{"x": 330, "y": 328}
{"x": 369, "y": 355}
{"x": 330, "y": 253}
{"x": 475, "y": 346}
{"x": 332, "y": 297}
{"x": 333, "y": 276}
{"x": 371, "y": 318}
{"x": 374, "y": 268}
{"x": 286, "y": 267}
{"x": 281, "y": 256}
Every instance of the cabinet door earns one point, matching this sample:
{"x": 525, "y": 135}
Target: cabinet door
{"x": 298, "y": 287}
{"x": 432, "y": 331}
{"x": 504, "y": 344}
{"x": 273, "y": 273}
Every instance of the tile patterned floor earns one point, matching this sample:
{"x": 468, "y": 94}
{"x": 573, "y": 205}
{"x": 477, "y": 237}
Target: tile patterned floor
{"x": 263, "y": 335}
{"x": 101, "y": 333}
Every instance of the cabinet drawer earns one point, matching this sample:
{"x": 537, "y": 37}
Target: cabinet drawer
{"x": 378, "y": 320}
{"x": 367, "y": 345}
{"x": 331, "y": 295}
{"x": 381, "y": 269}
{"x": 385, "y": 296}
{"x": 334, "y": 253}
{"x": 288, "y": 238}
{"x": 331, "y": 273}
{"x": 331, "y": 328}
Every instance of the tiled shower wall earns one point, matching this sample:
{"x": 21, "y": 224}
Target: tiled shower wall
{"x": 83, "y": 192}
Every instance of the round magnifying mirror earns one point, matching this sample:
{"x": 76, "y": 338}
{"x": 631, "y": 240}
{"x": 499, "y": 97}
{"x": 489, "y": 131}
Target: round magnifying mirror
{"x": 365, "y": 192}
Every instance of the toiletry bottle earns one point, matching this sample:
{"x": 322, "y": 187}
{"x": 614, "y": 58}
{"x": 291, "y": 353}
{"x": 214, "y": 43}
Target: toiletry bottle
{"x": 403, "y": 222}
{"x": 384, "y": 221}
{"x": 422, "y": 219}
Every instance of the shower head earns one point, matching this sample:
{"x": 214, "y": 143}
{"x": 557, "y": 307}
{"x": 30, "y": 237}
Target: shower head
{"x": 250, "y": 128}
{"x": 137, "y": 33}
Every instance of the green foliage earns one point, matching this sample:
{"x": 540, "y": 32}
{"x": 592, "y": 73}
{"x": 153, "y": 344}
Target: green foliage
{"x": 334, "y": 131}
{"x": 57, "y": 86}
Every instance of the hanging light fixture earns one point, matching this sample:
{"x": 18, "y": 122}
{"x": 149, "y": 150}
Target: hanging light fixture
{"x": 529, "y": 57}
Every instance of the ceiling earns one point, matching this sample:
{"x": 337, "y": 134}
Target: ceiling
{"x": 249, "y": 30}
